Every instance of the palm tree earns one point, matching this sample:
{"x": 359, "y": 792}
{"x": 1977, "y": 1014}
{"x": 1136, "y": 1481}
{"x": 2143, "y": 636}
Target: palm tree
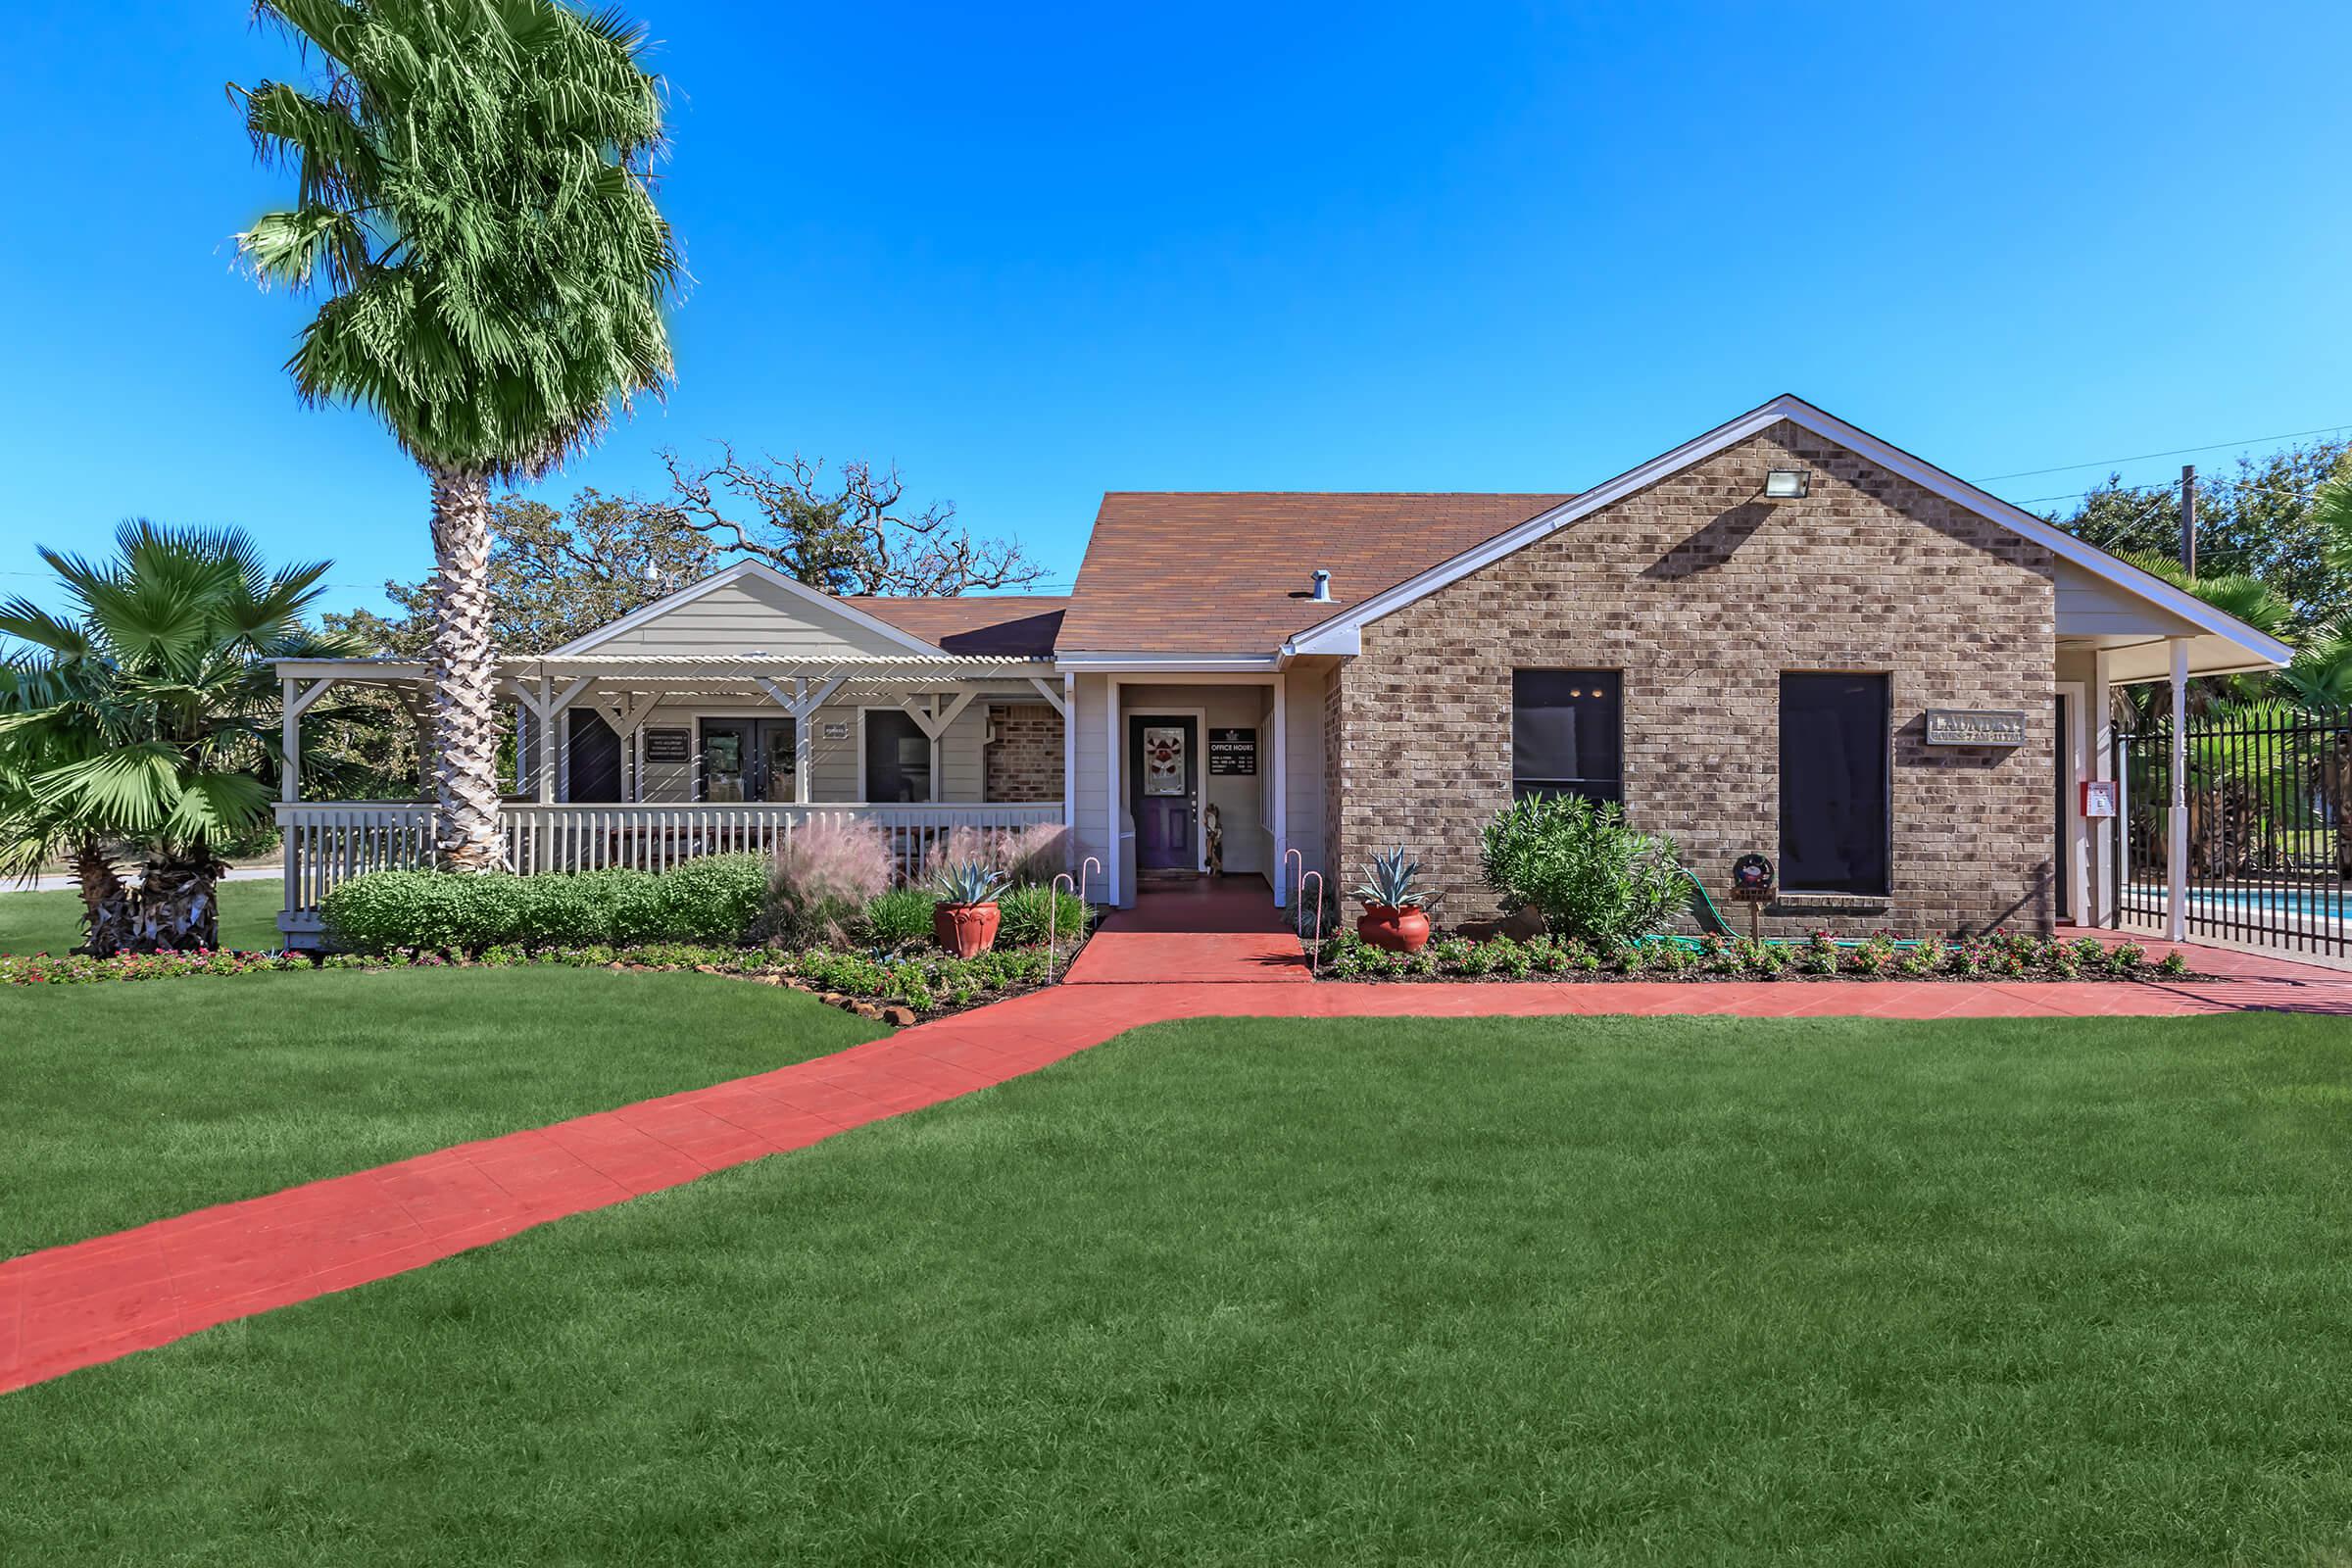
{"x": 471, "y": 194}
{"x": 148, "y": 716}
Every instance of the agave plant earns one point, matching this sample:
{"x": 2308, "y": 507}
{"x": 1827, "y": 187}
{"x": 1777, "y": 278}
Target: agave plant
{"x": 968, "y": 882}
{"x": 1393, "y": 882}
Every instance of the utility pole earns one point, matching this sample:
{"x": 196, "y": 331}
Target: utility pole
{"x": 2188, "y": 518}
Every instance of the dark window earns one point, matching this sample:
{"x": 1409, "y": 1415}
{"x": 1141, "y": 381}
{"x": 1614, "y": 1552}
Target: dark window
{"x": 1835, "y": 832}
{"x": 897, "y": 757}
{"x": 1567, "y": 733}
{"x": 595, "y": 757}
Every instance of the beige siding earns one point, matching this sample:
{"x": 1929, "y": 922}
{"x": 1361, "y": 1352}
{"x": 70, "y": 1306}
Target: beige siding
{"x": 752, "y": 616}
{"x": 2090, "y": 606}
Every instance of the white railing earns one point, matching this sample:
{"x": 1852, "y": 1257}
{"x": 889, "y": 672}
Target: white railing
{"x": 331, "y": 843}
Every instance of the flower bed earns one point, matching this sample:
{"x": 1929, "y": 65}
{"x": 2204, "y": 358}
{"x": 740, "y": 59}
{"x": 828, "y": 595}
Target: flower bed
{"x": 900, "y": 987}
{"x": 1997, "y": 957}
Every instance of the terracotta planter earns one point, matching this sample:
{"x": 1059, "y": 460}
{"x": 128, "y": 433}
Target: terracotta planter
{"x": 1404, "y": 930}
{"x": 967, "y": 930}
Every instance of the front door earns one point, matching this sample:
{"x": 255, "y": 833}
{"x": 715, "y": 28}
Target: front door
{"x": 1164, "y": 784}
{"x": 747, "y": 760}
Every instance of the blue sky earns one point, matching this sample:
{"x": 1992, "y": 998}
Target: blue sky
{"x": 1029, "y": 254}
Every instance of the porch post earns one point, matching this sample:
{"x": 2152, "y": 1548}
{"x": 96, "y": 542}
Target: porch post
{"x": 289, "y": 740}
{"x": 2098, "y": 731}
{"x": 1282, "y": 791}
{"x": 2176, "y": 903}
{"x": 1069, "y": 767}
{"x": 546, "y": 740}
{"x": 1110, "y": 787}
{"x": 804, "y": 749}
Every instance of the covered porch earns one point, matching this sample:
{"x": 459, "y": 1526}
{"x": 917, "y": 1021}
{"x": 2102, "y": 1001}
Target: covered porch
{"x": 643, "y": 760}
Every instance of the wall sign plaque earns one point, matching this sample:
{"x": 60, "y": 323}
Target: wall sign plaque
{"x": 1976, "y": 726}
{"x": 668, "y": 744}
{"x": 2101, "y": 796}
{"x": 1232, "y": 751}
{"x": 836, "y": 729}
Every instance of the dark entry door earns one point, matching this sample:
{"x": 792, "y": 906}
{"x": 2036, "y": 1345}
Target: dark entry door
{"x": 2064, "y": 860}
{"x": 595, "y": 757}
{"x": 1163, "y": 773}
{"x": 747, "y": 760}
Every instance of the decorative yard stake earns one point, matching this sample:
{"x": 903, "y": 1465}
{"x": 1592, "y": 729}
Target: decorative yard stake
{"x": 1314, "y": 954}
{"x": 1053, "y": 906}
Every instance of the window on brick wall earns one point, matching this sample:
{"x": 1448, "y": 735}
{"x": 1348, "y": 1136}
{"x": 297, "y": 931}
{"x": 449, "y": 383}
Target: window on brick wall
{"x": 1835, "y": 815}
{"x": 1567, "y": 733}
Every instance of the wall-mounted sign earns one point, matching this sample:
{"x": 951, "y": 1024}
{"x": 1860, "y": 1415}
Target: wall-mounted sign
{"x": 1976, "y": 726}
{"x": 836, "y": 729}
{"x": 668, "y": 744}
{"x": 1751, "y": 879}
{"x": 2101, "y": 796}
{"x": 1232, "y": 751}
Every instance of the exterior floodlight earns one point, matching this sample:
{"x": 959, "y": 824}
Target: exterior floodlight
{"x": 1787, "y": 484}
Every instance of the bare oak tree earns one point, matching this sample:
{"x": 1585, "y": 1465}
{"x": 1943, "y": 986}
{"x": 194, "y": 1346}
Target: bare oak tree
{"x": 857, "y": 534}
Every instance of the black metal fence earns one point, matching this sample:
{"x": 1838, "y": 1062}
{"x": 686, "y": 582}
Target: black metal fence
{"x": 2269, "y": 789}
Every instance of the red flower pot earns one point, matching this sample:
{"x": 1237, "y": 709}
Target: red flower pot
{"x": 1404, "y": 930}
{"x": 967, "y": 930}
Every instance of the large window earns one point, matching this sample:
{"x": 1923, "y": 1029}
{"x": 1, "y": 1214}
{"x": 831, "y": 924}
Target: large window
{"x": 1834, "y": 829}
{"x": 898, "y": 757}
{"x": 1567, "y": 733}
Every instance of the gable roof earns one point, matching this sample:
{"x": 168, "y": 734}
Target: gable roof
{"x": 1337, "y": 633}
{"x": 761, "y": 572}
{"x": 997, "y": 625}
{"x": 1224, "y": 571}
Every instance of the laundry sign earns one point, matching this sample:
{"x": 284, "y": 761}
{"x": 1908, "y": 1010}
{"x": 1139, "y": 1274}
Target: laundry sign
{"x": 1976, "y": 726}
{"x": 1232, "y": 751}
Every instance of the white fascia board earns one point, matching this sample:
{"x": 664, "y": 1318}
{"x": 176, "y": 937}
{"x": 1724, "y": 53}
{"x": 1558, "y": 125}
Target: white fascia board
{"x": 1139, "y": 663}
{"x": 1340, "y": 634}
{"x": 736, "y": 573}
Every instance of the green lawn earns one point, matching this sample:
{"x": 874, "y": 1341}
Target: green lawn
{"x": 130, "y": 1102}
{"x": 1672, "y": 1292}
{"x": 51, "y": 923}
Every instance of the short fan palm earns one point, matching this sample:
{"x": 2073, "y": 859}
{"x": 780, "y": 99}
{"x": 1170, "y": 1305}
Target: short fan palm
{"x": 148, "y": 717}
{"x": 471, "y": 194}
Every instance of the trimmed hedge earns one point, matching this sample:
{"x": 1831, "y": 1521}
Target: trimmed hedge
{"x": 714, "y": 899}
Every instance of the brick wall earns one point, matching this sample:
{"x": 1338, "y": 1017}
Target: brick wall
{"x": 1702, "y": 598}
{"x": 1024, "y": 764}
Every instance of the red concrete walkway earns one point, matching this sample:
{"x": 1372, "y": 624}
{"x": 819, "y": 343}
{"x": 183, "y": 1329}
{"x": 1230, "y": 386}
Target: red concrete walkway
{"x": 1193, "y": 931}
{"x": 78, "y": 1306}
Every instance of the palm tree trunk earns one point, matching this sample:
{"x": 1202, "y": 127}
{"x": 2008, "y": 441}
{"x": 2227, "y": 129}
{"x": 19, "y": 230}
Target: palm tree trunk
{"x": 105, "y": 907}
{"x": 176, "y": 906}
{"x": 464, "y": 758}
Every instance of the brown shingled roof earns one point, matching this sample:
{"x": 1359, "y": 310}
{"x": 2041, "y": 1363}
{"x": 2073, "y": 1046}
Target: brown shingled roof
{"x": 1226, "y": 570}
{"x": 991, "y": 625}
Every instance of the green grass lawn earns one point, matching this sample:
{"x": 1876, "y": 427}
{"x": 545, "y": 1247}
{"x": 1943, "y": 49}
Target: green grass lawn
{"x": 1677, "y": 1291}
{"x": 51, "y": 923}
{"x": 130, "y": 1102}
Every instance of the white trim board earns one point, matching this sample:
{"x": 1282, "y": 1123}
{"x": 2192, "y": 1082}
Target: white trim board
{"x": 1341, "y": 633}
{"x": 760, "y": 570}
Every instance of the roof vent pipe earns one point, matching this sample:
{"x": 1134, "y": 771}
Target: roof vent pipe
{"x": 1322, "y": 593}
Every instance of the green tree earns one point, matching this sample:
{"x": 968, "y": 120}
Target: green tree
{"x": 149, "y": 717}
{"x": 2262, "y": 520}
{"x": 471, "y": 195}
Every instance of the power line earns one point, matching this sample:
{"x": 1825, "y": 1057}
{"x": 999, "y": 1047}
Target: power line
{"x": 2176, "y": 451}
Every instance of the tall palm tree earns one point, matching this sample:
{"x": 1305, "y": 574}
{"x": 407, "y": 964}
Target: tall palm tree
{"x": 148, "y": 716}
{"x": 471, "y": 194}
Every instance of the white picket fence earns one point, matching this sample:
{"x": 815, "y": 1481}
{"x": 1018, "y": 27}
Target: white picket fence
{"x": 327, "y": 843}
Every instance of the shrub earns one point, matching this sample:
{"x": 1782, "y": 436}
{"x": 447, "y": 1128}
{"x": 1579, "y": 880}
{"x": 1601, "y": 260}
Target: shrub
{"x": 716, "y": 899}
{"x": 1588, "y": 874}
{"x": 828, "y": 871}
{"x": 1022, "y": 912}
{"x": 900, "y": 918}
